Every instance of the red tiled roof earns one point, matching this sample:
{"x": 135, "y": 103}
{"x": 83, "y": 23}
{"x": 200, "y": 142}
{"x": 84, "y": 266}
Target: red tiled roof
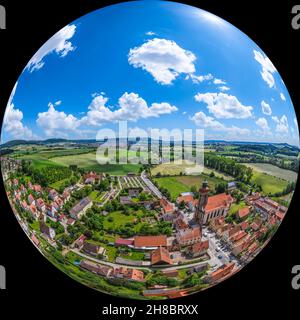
{"x": 242, "y": 213}
{"x": 161, "y": 255}
{"x": 150, "y": 241}
{"x": 186, "y": 198}
{"x": 218, "y": 201}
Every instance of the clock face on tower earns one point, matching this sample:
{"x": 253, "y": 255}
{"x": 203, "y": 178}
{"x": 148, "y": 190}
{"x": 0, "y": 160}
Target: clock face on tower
{"x": 150, "y": 150}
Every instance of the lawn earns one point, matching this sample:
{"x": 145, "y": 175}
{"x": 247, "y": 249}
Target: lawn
{"x": 119, "y": 219}
{"x": 134, "y": 255}
{"x": 269, "y": 184}
{"x": 237, "y": 206}
{"x": 57, "y": 185}
{"x": 96, "y": 195}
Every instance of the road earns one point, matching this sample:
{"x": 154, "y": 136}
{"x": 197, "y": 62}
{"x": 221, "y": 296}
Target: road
{"x": 151, "y": 186}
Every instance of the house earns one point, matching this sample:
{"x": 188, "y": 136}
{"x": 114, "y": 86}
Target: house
{"x": 70, "y": 222}
{"x": 185, "y": 197}
{"x": 130, "y": 274}
{"x": 125, "y": 200}
{"x": 166, "y": 206}
{"x": 37, "y": 188}
{"x": 217, "y": 206}
{"x": 150, "y": 242}
{"x": 35, "y": 240}
{"x": 96, "y": 268}
{"x": 92, "y": 177}
{"x": 46, "y": 230}
{"x": 93, "y": 248}
{"x": 243, "y": 213}
{"x": 198, "y": 249}
{"x": 80, "y": 208}
{"x": 32, "y": 209}
{"x": 160, "y": 256}
{"x": 133, "y": 192}
{"x": 50, "y": 210}
{"x": 66, "y": 196}
{"x": 53, "y": 194}
{"x": 231, "y": 186}
{"x": 80, "y": 241}
{"x": 24, "y": 205}
{"x": 223, "y": 271}
{"x": 189, "y": 236}
{"x": 40, "y": 204}
{"x": 31, "y": 199}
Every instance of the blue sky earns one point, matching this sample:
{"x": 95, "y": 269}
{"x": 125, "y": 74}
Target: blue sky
{"x": 158, "y": 65}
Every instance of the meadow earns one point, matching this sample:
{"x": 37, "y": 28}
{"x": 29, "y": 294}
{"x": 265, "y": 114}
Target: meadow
{"x": 273, "y": 171}
{"x": 268, "y": 183}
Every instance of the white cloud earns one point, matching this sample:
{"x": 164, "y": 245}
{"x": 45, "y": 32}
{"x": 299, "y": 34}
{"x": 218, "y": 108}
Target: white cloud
{"x": 163, "y": 59}
{"x": 223, "y": 88}
{"x": 201, "y": 78}
{"x": 282, "y": 124}
{"x": 267, "y": 68}
{"x": 12, "y": 123}
{"x": 59, "y": 44}
{"x": 57, "y": 123}
{"x": 282, "y": 96}
{"x": 262, "y": 123}
{"x": 208, "y": 122}
{"x": 222, "y": 105}
{"x": 131, "y": 108}
{"x": 296, "y": 123}
{"x": 150, "y": 33}
{"x": 266, "y": 108}
{"x": 219, "y": 81}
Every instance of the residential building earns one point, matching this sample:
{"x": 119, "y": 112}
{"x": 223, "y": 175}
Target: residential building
{"x": 80, "y": 208}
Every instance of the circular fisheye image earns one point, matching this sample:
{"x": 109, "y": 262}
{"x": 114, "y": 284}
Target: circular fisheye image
{"x": 149, "y": 150}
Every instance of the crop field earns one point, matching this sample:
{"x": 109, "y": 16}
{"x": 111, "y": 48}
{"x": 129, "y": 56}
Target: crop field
{"x": 269, "y": 184}
{"x": 273, "y": 171}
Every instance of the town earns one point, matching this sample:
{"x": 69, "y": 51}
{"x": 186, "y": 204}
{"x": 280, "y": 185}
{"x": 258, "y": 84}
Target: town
{"x": 125, "y": 234}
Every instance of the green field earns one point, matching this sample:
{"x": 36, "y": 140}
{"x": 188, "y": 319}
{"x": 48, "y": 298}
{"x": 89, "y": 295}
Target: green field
{"x": 96, "y": 195}
{"x": 273, "y": 171}
{"x": 88, "y": 161}
{"x": 178, "y": 184}
{"x": 119, "y": 219}
{"x": 269, "y": 184}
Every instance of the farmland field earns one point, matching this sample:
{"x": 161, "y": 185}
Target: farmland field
{"x": 178, "y": 184}
{"x": 269, "y": 184}
{"x": 273, "y": 171}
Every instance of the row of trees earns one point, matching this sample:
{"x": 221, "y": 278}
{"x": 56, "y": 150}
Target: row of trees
{"x": 228, "y": 166}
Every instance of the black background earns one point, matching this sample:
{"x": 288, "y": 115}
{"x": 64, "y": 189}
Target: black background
{"x": 36, "y": 289}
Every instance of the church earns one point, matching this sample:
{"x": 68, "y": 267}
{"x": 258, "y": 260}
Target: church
{"x": 210, "y": 207}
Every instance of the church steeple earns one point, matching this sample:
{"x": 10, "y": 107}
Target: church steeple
{"x": 203, "y": 198}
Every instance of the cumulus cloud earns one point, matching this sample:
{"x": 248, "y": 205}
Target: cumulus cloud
{"x": 219, "y": 81}
{"x": 150, "y": 33}
{"x": 204, "y": 121}
{"x": 266, "y": 108}
{"x": 132, "y": 107}
{"x": 268, "y": 69}
{"x": 60, "y": 44}
{"x": 55, "y": 122}
{"x": 224, "y": 88}
{"x": 222, "y": 105}
{"x": 282, "y": 125}
{"x": 200, "y": 78}
{"x": 262, "y": 123}
{"x": 13, "y": 120}
{"x": 164, "y": 59}
{"x": 282, "y": 96}
{"x": 296, "y": 123}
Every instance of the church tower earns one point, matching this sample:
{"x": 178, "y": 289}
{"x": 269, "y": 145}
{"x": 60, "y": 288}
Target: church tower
{"x": 203, "y": 197}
